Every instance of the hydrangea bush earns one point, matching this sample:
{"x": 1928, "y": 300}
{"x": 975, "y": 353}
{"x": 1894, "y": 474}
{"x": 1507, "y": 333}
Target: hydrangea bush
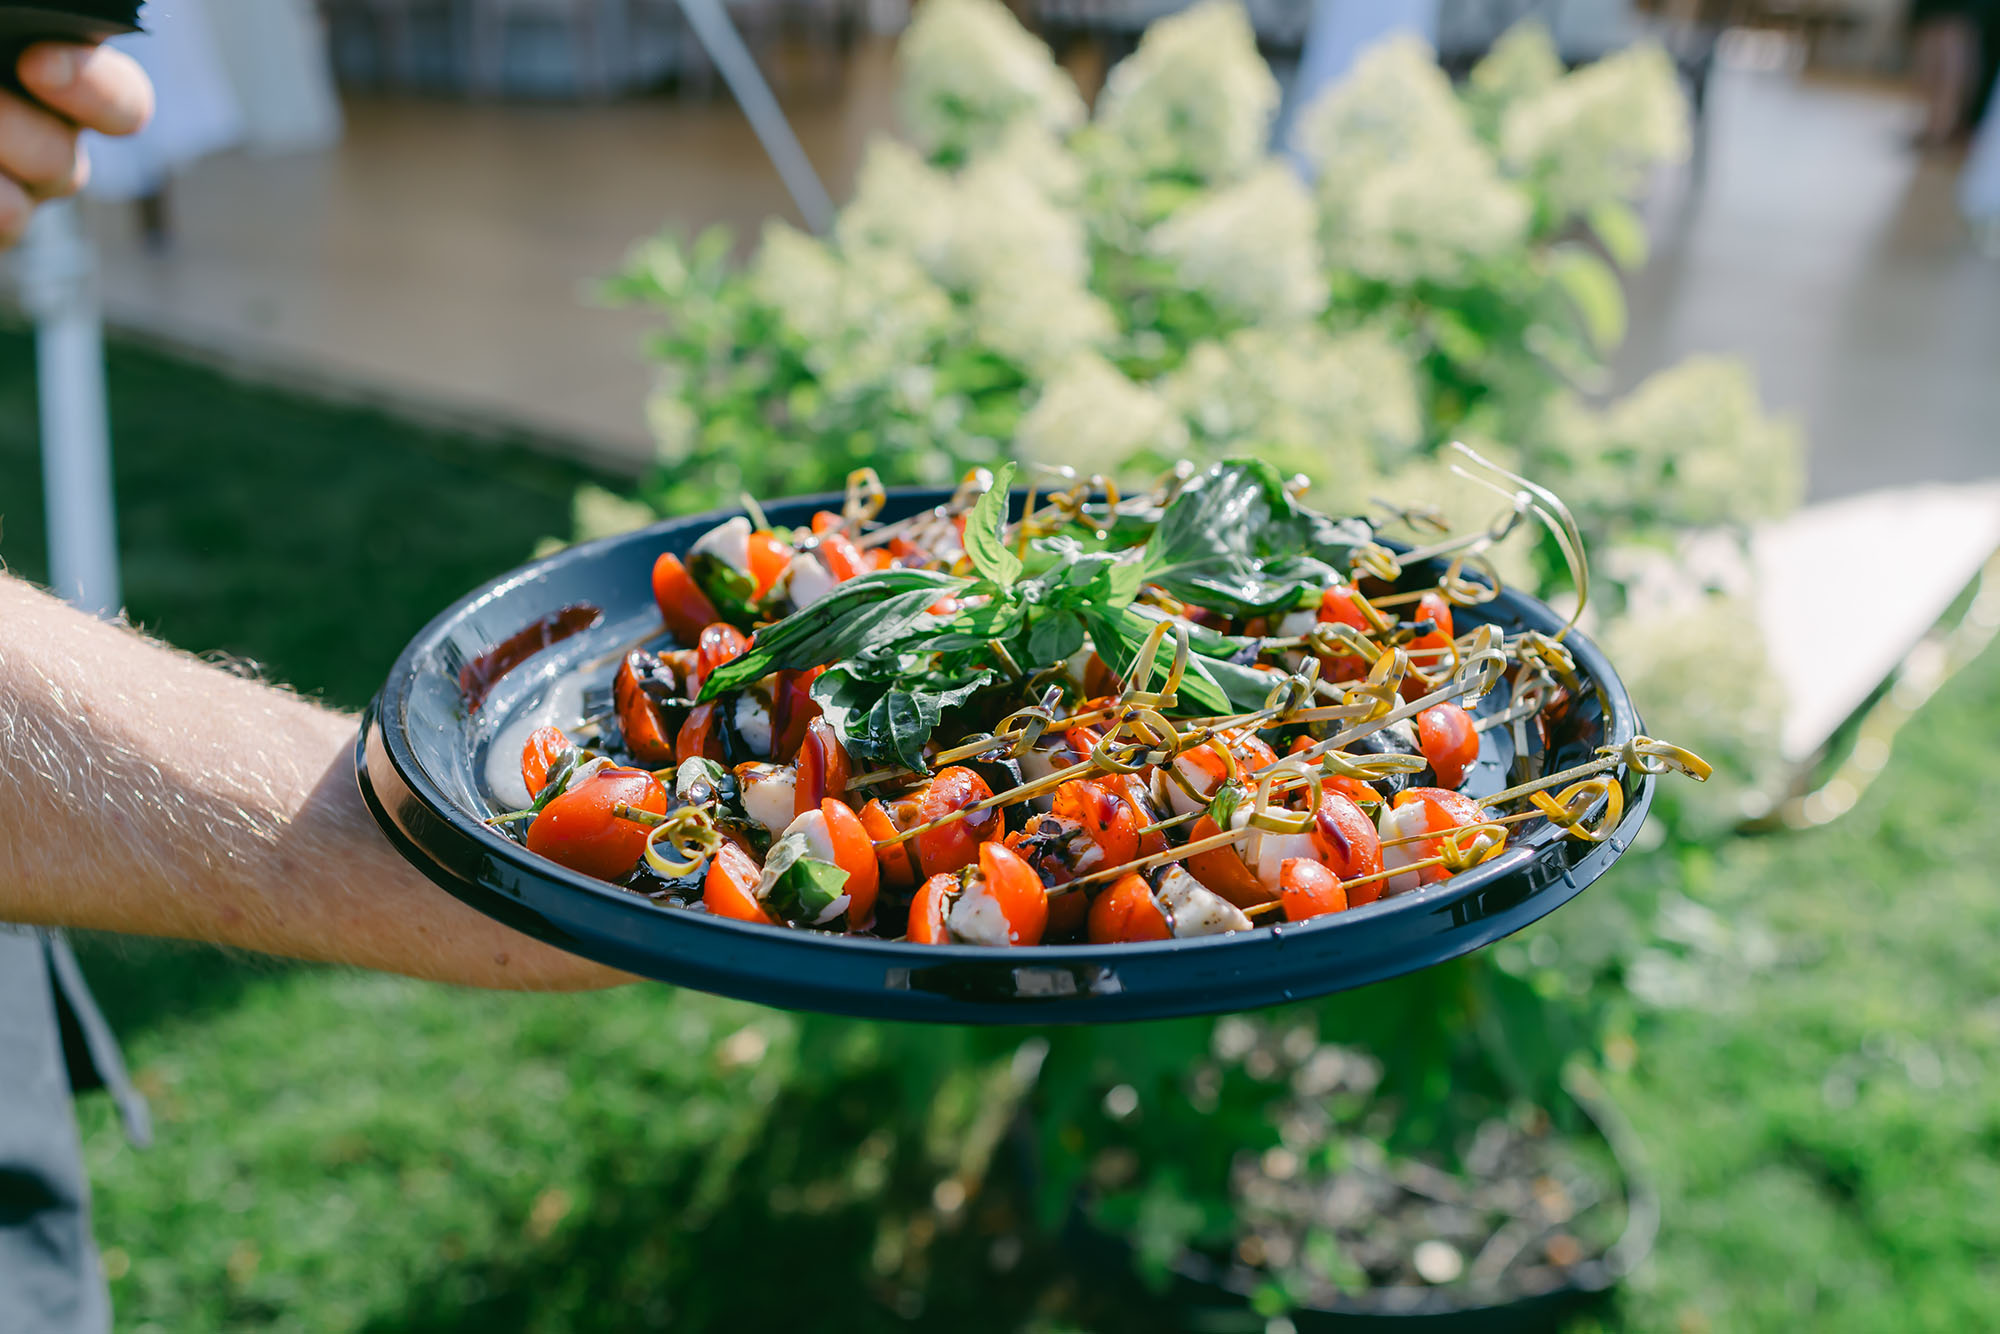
{"x": 1112, "y": 291}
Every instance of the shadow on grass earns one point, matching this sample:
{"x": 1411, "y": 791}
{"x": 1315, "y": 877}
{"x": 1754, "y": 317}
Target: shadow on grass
{"x": 794, "y": 1227}
{"x": 139, "y": 982}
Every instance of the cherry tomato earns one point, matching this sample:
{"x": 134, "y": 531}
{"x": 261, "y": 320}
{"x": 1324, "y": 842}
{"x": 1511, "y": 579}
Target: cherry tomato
{"x": 951, "y": 846}
{"x": 1433, "y": 608}
{"x": 683, "y": 606}
{"x": 701, "y": 735}
{"x": 545, "y": 745}
{"x": 1419, "y": 810}
{"x": 1222, "y": 869}
{"x": 579, "y": 830}
{"x": 1022, "y": 897}
{"x": 824, "y": 522}
{"x": 855, "y": 854}
{"x": 1105, "y": 815}
{"x": 730, "y": 887}
{"x": 1348, "y": 844}
{"x": 719, "y": 643}
{"x": 842, "y": 558}
{"x": 928, "y": 909}
{"x": 1449, "y": 741}
{"x": 792, "y": 710}
{"x": 899, "y": 871}
{"x": 1127, "y": 912}
{"x": 769, "y": 558}
{"x": 639, "y": 717}
{"x": 1337, "y": 606}
{"x": 1309, "y": 890}
{"x": 823, "y": 766}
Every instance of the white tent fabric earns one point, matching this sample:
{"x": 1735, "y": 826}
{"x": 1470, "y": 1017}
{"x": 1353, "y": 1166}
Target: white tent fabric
{"x": 196, "y": 111}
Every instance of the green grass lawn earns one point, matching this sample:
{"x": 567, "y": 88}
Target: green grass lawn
{"x": 1816, "y": 1076}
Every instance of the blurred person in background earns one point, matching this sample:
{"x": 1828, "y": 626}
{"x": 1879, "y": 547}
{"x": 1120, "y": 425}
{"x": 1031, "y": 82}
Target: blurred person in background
{"x": 1955, "y": 45}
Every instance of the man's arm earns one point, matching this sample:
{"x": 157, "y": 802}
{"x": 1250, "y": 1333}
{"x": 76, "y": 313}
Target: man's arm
{"x": 144, "y": 791}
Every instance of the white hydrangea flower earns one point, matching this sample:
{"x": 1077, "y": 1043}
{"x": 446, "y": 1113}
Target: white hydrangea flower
{"x": 1407, "y": 191}
{"x": 1335, "y": 408}
{"x": 596, "y": 512}
{"x": 1031, "y": 151}
{"x": 862, "y": 318}
{"x": 1092, "y": 418}
{"x": 1522, "y": 63}
{"x": 1251, "y": 248}
{"x": 1194, "y": 99}
{"x": 970, "y": 71}
{"x": 900, "y": 203}
{"x": 1003, "y": 226}
{"x": 1691, "y": 445}
{"x": 1040, "y": 320}
{"x": 1593, "y": 134}
{"x": 673, "y": 421}
{"x": 1694, "y": 660}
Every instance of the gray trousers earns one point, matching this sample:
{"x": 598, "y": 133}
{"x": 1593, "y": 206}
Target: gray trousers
{"x": 53, "y": 1044}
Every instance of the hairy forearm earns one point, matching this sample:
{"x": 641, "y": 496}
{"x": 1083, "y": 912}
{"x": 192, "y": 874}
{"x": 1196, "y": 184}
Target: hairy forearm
{"x": 144, "y": 791}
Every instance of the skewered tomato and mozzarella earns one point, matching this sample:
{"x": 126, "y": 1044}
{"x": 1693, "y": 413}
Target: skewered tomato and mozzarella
{"x": 999, "y": 902}
{"x": 1423, "y": 810}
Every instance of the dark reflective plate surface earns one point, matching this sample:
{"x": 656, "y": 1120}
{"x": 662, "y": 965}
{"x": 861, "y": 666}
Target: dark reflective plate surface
{"x": 421, "y": 763}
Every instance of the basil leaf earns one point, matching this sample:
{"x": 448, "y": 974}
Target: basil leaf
{"x": 799, "y": 889}
{"x": 1054, "y": 636}
{"x": 733, "y": 592}
{"x": 1235, "y": 541}
{"x": 865, "y": 612}
{"x": 984, "y": 533}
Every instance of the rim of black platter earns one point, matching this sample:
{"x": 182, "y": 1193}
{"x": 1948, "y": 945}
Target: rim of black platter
{"x": 422, "y": 755}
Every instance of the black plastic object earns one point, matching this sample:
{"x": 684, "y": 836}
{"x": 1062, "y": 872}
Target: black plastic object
{"x": 421, "y": 757}
{"x": 21, "y": 26}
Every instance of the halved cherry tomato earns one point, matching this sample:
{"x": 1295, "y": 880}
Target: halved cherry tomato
{"x": 792, "y": 710}
{"x": 928, "y": 909}
{"x": 730, "y": 887}
{"x": 1419, "y": 810}
{"x": 1105, "y": 815}
{"x": 1222, "y": 869}
{"x": 719, "y": 643}
{"x": 701, "y": 735}
{"x": 579, "y": 830}
{"x": 899, "y": 870}
{"x": 1309, "y": 890}
{"x": 683, "y": 606}
{"x": 1022, "y": 897}
{"x": 823, "y": 766}
{"x": 951, "y": 846}
{"x": 639, "y": 716}
{"x": 1337, "y": 606}
{"x": 1433, "y": 608}
{"x": 545, "y": 745}
{"x": 1354, "y": 789}
{"x": 1348, "y": 845}
{"x": 1126, "y": 911}
{"x": 824, "y": 522}
{"x": 855, "y": 854}
{"x": 842, "y": 558}
{"x": 769, "y": 558}
{"x": 1449, "y": 741}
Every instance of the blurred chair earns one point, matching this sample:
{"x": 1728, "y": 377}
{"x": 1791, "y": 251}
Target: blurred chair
{"x": 693, "y": 73}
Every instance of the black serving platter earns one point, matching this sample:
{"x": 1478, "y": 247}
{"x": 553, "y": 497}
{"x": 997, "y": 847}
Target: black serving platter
{"x": 421, "y": 760}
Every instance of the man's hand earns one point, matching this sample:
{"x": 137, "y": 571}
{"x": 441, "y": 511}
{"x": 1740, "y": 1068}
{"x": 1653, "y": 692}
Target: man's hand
{"x": 78, "y": 87}
{"x": 146, "y": 792}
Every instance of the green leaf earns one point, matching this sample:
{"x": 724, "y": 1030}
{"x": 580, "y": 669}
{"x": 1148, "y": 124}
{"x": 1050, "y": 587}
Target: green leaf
{"x": 1594, "y": 291}
{"x": 733, "y": 592}
{"x": 889, "y": 722}
{"x": 1619, "y": 226}
{"x": 1210, "y": 685}
{"x": 983, "y": 533}
{"x": 797, "y": 888}
{"x": 863, "y": 613}
{"x": 1054, "y": 636}
{"x": 1235, "y": 541}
